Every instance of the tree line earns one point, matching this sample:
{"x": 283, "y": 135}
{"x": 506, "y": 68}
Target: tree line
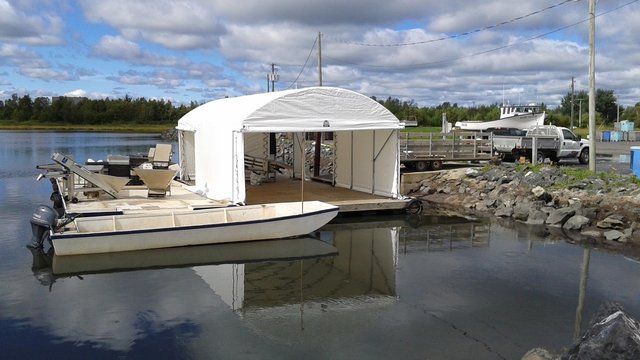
{"x": 80, "y": 110}
{"x": 606, "y": 110}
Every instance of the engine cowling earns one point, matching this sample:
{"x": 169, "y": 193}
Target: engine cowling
{"x": 43, "y": 220}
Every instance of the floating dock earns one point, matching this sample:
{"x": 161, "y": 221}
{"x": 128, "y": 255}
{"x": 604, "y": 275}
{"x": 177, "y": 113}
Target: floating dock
{"x": 133, "y": 199}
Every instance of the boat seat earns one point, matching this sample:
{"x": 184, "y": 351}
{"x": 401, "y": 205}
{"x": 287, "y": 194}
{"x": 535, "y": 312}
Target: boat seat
{"x": 162, "y": 156}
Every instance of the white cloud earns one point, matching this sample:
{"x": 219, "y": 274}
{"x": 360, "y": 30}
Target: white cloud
{"x": 118, "y": 48}
{"x": 30, "y": 64}
{"x": 173, "y": 24}
{"x": 17, "y": 26}
{"x": 90, "y": 95}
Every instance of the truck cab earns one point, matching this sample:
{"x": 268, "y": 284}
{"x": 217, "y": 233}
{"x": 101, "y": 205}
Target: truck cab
{"x": 571, "y": 146}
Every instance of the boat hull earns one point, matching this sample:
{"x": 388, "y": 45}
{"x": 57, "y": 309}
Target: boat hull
{"x": 521, "y": 122}
{"x": 130, "y": 240}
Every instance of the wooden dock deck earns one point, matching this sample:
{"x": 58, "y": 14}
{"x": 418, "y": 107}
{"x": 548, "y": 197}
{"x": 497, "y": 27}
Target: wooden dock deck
{"x": 286, "y": 189}
{"x": 133, "y": 199}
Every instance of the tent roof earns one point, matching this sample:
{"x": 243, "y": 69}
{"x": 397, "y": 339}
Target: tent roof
{"x": 308, "y": 109}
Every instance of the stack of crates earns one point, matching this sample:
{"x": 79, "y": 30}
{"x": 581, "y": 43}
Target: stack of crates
{"x": 626, "y": 126}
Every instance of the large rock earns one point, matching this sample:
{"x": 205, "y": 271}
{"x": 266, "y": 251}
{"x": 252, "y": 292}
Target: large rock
{"x": 612, "y": 334}
{"x": 538, "y": 354}
{"x": 536, "y": 217}
{"x": 576, "y": 222}
{"x": 504, "y": 212}
{"x": 521, "y": 211}
{"x": 613, "y": 235}
{"x": 540, "y": 193}
{"x": 472, "y": 173}
{"x": 611, "y": 222}
{"x": 559, "y": 216}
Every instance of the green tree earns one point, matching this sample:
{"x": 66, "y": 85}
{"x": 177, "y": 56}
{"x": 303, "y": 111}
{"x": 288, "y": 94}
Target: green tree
{"x": 606, "y": 104}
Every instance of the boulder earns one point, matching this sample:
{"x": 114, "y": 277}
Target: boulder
{"x": 490, "y": 202}
{"x": 614, "y": 221}
{"x": 472, "y": 173}
{"x": 538, "y": 354}
{"x": 612, "y": 334}
{"x": 504, "y": 212}
{"x": 521, "y": 211}
{"x": 589, "y": 212}
{"x": 613, "y": 235}
{"x": 559, "y": 216}
{"x": 540, "y": 193}
{"x": 536, "y": 217}
{"x": 576, "y": 222}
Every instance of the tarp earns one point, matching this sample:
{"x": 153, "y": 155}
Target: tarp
{"x": 298, "y": 110}
{"x": 221, "y": 129}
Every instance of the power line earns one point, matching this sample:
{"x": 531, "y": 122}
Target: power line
{"x": 422, "y": 65}
{"x": 466, "y": 33}
{"x": 305, "y": 63}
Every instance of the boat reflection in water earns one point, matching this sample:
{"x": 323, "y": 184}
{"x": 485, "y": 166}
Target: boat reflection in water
{"x": 273, "y": 287}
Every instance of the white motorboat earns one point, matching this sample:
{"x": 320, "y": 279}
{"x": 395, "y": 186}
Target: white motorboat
{"x": 103, "y": 234}
{"x": 511, "y": 116}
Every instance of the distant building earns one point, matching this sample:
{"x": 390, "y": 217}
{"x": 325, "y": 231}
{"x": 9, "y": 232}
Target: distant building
{"x": 75, "y": 100}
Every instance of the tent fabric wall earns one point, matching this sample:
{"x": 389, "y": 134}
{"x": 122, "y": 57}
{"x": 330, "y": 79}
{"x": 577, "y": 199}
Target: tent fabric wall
{"x": 355, "y": 164}
{"x": 224, "y": 130}
{"x": 186, "y": 146}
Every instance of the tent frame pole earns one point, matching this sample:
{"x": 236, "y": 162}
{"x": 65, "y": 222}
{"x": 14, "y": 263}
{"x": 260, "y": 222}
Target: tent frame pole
{"x": 351, "y": 165}
{"x": 303, "y": 160}
{"x": 398, "y": 174}
{"x": 233, "y": 168}
{"x": 373, "y": 163}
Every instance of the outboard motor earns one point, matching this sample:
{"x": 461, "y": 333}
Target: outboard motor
{"x": 43, "y": 220}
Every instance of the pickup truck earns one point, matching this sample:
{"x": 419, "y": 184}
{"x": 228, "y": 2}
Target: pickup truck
{"x": 553, "y": 143}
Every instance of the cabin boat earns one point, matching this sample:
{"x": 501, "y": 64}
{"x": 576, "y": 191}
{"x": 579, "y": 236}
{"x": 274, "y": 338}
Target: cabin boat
{"x": 511, "y": 116}
{"x": 102, "y": 234}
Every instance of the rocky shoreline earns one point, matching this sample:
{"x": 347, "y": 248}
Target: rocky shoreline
{"x": 597, "y": 208}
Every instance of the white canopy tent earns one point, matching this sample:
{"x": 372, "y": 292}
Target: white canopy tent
{"x": 214, "y": 137}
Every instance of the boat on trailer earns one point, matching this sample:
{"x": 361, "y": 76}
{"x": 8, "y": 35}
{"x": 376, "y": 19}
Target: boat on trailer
{"x": 511, "y": 116}
{"x": 103, "y": 234}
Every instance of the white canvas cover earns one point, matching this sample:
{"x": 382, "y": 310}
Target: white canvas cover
{"x": 220, "y": 128}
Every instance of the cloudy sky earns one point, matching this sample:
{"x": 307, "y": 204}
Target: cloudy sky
{"x": 202, "y": 50}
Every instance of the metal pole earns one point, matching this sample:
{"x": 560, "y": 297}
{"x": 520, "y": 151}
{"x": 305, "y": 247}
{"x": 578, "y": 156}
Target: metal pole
{"x": 303, "y": 160}
{"x": 534, "y": 150}
{"x": 580, "y": 113}
{"x": 592, "y": 85}
{"x": 573, "y": 81}
{"x": 273, "y": 79}
{"x": 319, "y": 58}
{"x": 318, "y": 147}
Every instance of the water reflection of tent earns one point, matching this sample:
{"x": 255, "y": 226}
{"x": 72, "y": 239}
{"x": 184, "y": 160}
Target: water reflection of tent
{"x": 365, "y": 266}
{"x": 447, "y": 237}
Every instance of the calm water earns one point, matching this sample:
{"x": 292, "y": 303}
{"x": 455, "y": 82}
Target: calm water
{"x": 370, "y": 288}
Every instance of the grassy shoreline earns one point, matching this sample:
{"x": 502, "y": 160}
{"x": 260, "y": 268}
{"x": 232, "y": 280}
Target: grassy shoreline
{"x": 124, "y": 128}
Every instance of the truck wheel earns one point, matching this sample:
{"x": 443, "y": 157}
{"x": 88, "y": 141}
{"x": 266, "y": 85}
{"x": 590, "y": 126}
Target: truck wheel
{"x": 436, "y": 165}
{"x": 421, "y": 166}
{"x": 540, "y": 157}
{"x": 584, "y": 156}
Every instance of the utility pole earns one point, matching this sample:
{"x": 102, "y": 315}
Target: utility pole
{"x": 318, "y": 147}
{"x": 272, "y": 78}
{"x": 573, "y": 82}
{"x": 592, "y": 85}
{"x": 319, "y": 58}
{"x": 580, "y": 112}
